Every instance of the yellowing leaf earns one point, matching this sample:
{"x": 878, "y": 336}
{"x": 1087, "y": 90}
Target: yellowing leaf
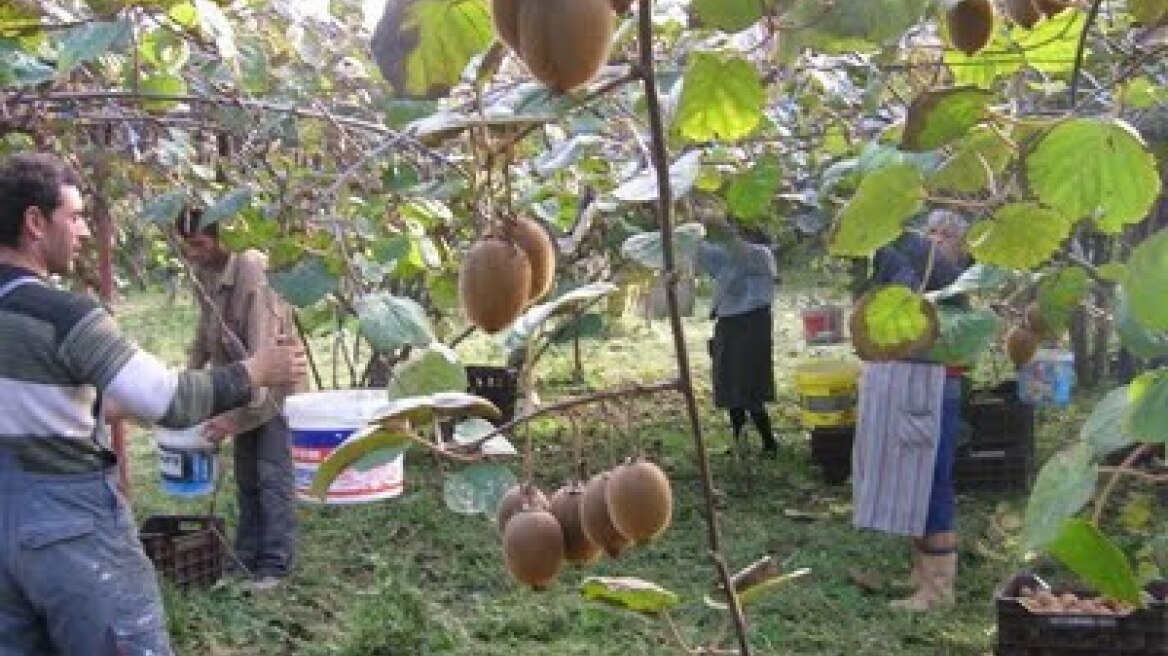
{"x": 1019, "y": 236}
{"x": 939, "y": 116}
{"x": 422, "y": 46}
{"x": 886, "y": 198}
{"x": 894, "y": 315}
{"x": 371, "y": 439}
{"x": 721, "y": 98}
{"x": 628, "y": 592}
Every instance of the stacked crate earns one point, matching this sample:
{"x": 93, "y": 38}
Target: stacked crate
{"x": 1000, "y": 452}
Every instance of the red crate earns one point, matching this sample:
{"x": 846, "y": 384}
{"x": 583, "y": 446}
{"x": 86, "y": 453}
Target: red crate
{"x": 186, "y": 549}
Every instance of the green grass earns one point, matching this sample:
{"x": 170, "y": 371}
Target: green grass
{"x": 409, "y": 577}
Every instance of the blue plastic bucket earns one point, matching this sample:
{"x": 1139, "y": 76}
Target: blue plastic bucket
{"x": 187, "y": 465}
{"x": 1048, "y": 379}
{"x": 319, "y": 421}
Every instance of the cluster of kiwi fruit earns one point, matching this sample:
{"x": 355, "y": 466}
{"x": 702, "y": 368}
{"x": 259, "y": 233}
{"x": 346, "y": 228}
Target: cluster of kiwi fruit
{"x": 970, "y": 23}
{"x": 628, "y": 505}
{"x": 1045, "y": 601}
{"x": 562, "y": 42}
{"x": 512, "y": 266}
{"x": 1023, "y": 339}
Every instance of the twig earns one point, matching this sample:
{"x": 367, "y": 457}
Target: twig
{"x": 1077, "y": 71}
{"x": 1101, "y": 500}
{"x": 1135, "y": 473}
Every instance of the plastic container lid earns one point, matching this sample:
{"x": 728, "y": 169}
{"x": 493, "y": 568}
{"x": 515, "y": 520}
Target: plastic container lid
{"x": 185, "y": 438}
{"x": 827, "y": 371}
{"x": 332, "y": 409}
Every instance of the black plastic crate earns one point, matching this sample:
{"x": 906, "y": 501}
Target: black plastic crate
{"x": 997, "y": 415}
{"x": 499, "y": 385}
{"x": 187, "y": 549}
{"x": 993, "y": 467}
{"x": 1022, "y": 632}
{"x": 831, "y": 449}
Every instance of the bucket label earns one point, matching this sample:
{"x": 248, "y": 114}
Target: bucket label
{"x": 170, "y": 463}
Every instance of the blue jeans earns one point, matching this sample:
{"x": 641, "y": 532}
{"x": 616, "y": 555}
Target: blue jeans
{"x": 943, "y": 499}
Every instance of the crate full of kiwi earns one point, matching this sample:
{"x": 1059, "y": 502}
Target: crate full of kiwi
{"x": 1036, "y": 619}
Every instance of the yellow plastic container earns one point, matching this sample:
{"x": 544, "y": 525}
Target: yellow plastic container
{"x": 827, "y": 392}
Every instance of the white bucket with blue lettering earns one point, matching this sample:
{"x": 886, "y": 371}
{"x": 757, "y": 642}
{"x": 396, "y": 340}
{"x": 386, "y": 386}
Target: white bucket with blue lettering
{"x": 187, "y": 462}
{"x": 319, "y": 421}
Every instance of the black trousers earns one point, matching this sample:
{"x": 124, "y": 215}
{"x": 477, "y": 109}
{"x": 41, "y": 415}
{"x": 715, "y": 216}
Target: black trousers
{"x": 265, "y": 540}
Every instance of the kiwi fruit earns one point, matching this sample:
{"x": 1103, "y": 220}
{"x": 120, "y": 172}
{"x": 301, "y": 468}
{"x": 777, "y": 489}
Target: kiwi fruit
{"x": 518, "y": 498}
{"x": 970, "y": 24}
{"x": 1022, "y": 12}
{"x": 1051, "y": 7}
{"x": 594, "y": 518}
{"x": 640, "y": 500}
{"x": 1021, "y": 345}
{"x": 868, "y": 349}
{"x": 565, "y": 505}
{"x": 565, "y": 42}
{"x": 494, "y": 283}
{"x": 621, "y": 6}
{"x": 505, "y": 14}
{"x": 530, "y": 236}
{"x": 533, "y": 546}
{"x": 1035, "y": 322}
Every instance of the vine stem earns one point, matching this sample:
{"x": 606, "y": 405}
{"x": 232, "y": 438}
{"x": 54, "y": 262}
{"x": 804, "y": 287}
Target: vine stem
{"x": 665, "y": 220}
{"x": 1101, "y": 500}
{"x": 1077, "y": 71}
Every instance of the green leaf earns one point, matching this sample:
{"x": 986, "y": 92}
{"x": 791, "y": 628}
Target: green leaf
{"x": 1142, "y": 341}
{"x": 964, "y": 335}
{"x": 232, "y": 203}
{"x": 721, "y": 98}
{"x": 977, "y": 160}
{"x": 1148, "y": 421}
{"x": 420, "y": 410}
{"x": 841, "y": 27}
{"x": 1064, "y": 485}
{"x": 524, "y": 328}
{"x": 646, "y": 248}
{"x": 390, "y": 322}
{"x": 643, "y": 188}
{"x": 164, "y": 209}
{"x": 1049, "y": 48}
{"x": 750, "y": 193}
{"x": 477, "y": 488}
{"x": 886, "y": 198}
{"x": 1096, "y": 560}
{"x": 1146, "y": 282}
{"x": 1088, "y": 168}
{"x": 423, "y": 46}
{"x": 1019, "y": 236}
{"x": 894, "y": 315}
{"x": 305, "y": 283}
{"x": 1104, "y": 429}
{"x": 162, "y": 84}
{"x": 1060, "y": 294}
{"x": 731, "y": 15}
{"x": 940, "y": 116}
{"x": 474, "y": 429}
{"x": 20, "y": 68}
{"x": 368, "y": 440}
{"x": 633, "y": 594}
{"x": 86, "y": 42}
{"x": 429, "y": 370}
{"x": 215, "y": 24}
{"x": 977, "y": 278}
{"x": 1142, "y": 93}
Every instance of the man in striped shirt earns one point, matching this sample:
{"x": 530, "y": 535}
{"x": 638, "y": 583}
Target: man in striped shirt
{"x": 73, "y": 577}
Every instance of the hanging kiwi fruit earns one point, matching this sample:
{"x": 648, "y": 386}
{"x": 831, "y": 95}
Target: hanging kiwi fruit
{"x": 595, "y": 520}
{"x": 530, "y": 236}
{"x": 640, "y": 500}
{"x": 970, "y": 24}
{"x": 565, "y": 505}
{"x": 621, "y": 6}
{"x": 494, "y": 283}
{"x": 1052, "y": 7}
{"x": 518, "y": 498}
{"x": 1022, "y": 12}
{"x": 533, "y": 546}
{"x": 563, "y": 42}
{"x": 1021, "y": 345}
{"x": 1035, "y": 323}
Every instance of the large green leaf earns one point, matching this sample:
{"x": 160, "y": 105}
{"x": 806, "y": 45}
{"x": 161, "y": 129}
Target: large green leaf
{"x": 1146, "y": 282}
{"x": 646, "y": 248}
{"x": 474, "y": 429}
{"x": 1049, "y": 47}
{"x": 850, "y": 26}
{"x": 976, "y": 161}
{"x": 1064, "y": 485}
{"x": 429, "y": 370}
{"x": 1060, "y": 294}
{"x": 232, "y": 203}
{"x": 964, "y": 335}
{"x": 721, "y": 98}
{"x": 631, "y": 593}
{"x": 1140, "y": 340}
{"x": 86, "y": 42}
{"x": 895, "y": 315}
{"x": 683, "y": 173}
{"x": 1096, "y": 560}
{"x": 477, "y": 488}
{"x": 977, "y": 278}
{"x": 1105, "y": 428}
{"x": 1019, "y": 236}
{"x": 421, "y": 410}
{"x": 423, "y": 46}
{"x": 886, "y": 198}
{"x": 749, "y": 194}
{"x": 940, "y": 116}
{"x": 390, "y": 322}
{"x": 1089, "y": 168}
{"x": 162, "y": 84}
{"x": 304, "y": 283}
{"x": 1148, "y": 421}
{"x": 731, "y": 15}
{"x": 518, "y": 333}
{"x": 364, "y": 443}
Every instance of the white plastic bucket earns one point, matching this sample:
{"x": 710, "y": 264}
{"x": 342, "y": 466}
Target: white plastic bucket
{"x": 319, "y": 421}
{"x": 187, "y": 465}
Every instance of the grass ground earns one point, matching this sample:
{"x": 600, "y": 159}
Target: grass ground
{"x": 408, "y": 577}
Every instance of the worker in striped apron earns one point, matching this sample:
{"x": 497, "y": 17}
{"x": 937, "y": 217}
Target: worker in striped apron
{"x": 909, "y": 412}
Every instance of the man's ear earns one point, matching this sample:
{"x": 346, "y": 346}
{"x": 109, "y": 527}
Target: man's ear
{"x": 35, "y": 222}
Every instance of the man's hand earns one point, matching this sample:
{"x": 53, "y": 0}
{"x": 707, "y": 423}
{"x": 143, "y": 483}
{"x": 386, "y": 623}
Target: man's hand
{"x": 218, "y": 429}
{"x": 277, "y": 364}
